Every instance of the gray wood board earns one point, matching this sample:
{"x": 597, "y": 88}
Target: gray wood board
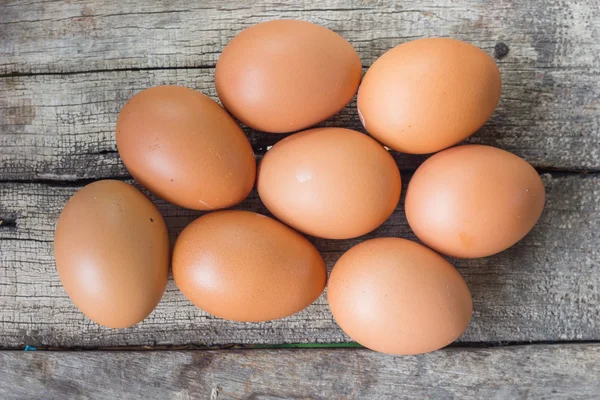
{"x": 61, "y": 126}
{"x": 516, "y": 372}
{"x": 546, "y": 288}
{"x": 70, "y": 36}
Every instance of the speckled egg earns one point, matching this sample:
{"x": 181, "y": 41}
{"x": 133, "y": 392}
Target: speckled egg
{"x": 473, "y": 201}
{"x": 396, "y": 296}
{"x": 112, "y": 253}
{"x": 184, "y": 147}
{"x": 247, "y": 267}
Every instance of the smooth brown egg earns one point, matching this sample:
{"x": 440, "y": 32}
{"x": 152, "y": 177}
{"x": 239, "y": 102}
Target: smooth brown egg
{"x": 286, "y": 75}
{"x": 399, "y": 297}
{"x": 473, "y": 201}
{"x": 112, "y": 253}
{"x": 247, "y": 267}
{"x": 333, "y": 183}
{"x": 429, "y": 94}
{"x": 185, "y": 148}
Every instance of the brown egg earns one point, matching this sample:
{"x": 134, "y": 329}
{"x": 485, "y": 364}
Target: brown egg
{"x": 283, "y": 76}
{"x": 399, "y": 297}
{"x": 473, "y": 201}
{"x": 112, "y": 253}
{"x": 425, "y": 95}
{"x": 329, "y": 182}
{"x": 247, "y": 267}
{"x": 185, "y": 148}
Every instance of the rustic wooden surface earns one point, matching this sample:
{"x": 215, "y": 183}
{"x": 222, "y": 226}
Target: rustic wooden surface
{"x": 67, "y": 67}
{"x": 70, "y": 67}
{"x": 517, "y": 372}
{"x": 547, "y": 288}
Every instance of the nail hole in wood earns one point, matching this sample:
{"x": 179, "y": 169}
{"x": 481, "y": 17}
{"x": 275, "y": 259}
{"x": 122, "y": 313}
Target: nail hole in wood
{"x": 8, "y": 221}
{"x": 500, "y": 50}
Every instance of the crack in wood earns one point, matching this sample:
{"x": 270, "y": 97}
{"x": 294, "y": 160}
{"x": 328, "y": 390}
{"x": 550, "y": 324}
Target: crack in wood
{"x": 13, "y": 74}
{"x": 8, "y": 221}
{"x": 303, "y": 346}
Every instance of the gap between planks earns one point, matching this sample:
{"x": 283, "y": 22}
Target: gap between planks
{"x": 127, "y": 178}
{"x": 300, "y": 346}
{"x": 108, "y": 70}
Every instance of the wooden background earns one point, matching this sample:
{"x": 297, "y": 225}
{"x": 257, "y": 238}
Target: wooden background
{"x": 66, "y": 69}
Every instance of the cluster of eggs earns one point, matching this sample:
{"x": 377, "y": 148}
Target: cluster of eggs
{"x": 389, "y": 294}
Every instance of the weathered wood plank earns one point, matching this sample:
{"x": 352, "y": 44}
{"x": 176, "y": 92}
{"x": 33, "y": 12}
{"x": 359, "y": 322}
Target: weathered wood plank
{"x": 546, "y": 288}
{"x": 516, "y": 372}
{"x": 61, "y": 126}
{"x": 66, "y": 36}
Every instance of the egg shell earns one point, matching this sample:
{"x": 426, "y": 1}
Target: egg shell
{"x": 333, "y": 183}
{"x": 428, "y": 94}
{"x": 112, "y": 253}
{"x": 182, "y": 146}
{"x": 396, "y": 296}
{"x": 473, "y": 201}
{"x": 247, "y": 267}
{"x": 285, "y": 75}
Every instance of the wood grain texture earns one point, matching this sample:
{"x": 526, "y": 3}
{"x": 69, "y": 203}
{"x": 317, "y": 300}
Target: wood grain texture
{"x": 61, "y": 126}
{"x": 546, "y": 288}
{"x": 516, "y": 372}
{"x": 72, "y": 36}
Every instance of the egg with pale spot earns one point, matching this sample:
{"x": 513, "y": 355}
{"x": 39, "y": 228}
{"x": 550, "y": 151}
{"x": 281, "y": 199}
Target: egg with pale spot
{"x": 332, "y": 183}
